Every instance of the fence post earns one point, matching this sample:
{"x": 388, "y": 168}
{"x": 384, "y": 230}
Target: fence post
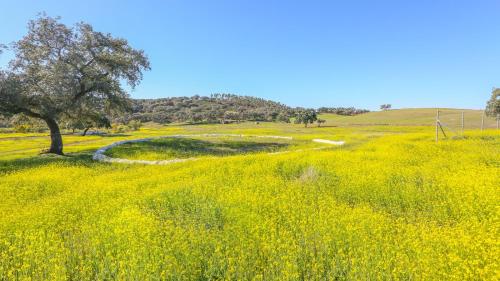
{"x": 462, "y": 123}
{"x": 437, "y": 125}
{"x": 482, "y": 121}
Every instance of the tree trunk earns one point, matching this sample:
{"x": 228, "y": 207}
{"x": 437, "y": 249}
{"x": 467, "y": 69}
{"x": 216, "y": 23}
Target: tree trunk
{"x": 85, "y": 131}
{"x": 56, "y": 144}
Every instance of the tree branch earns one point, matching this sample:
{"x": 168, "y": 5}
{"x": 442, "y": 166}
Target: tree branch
{"x": 84, "y": 91}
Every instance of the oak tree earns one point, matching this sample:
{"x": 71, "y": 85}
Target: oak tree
{"x": 306, "y": 117}
{"x": 58, "y": 70}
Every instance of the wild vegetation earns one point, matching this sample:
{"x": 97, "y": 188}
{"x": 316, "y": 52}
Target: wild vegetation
{"x": 390, "y": 204}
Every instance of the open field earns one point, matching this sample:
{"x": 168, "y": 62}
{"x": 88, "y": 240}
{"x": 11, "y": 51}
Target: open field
{"x": 389, "y": 204}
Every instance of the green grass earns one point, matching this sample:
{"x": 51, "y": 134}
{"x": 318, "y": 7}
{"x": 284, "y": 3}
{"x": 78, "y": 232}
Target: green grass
{"x": 195, "y": 146}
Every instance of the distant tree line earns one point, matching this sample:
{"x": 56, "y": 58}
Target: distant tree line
{"x": 221, "y": 108}
{"x": 349, "y": 111}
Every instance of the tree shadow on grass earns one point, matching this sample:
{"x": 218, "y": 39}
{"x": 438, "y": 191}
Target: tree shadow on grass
{"x": 189, "y": 147}
{"x": 83, "y": 158}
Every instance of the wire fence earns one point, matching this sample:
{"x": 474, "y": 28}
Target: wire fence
{"x": 453, "y": 123}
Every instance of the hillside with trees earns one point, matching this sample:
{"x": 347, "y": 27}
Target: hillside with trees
{"x": 216, "y": 108}
{"x": 220, "y": 108}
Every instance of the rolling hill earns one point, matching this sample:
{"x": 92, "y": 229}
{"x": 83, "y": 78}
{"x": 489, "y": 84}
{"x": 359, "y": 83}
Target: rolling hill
{"x": 413, "y": 116}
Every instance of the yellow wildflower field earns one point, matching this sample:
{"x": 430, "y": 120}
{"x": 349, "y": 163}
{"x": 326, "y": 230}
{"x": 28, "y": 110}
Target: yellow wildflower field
{"x": 389, "y": 204}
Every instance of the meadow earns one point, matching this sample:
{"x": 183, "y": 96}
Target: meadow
{"x": 390, "y": 204}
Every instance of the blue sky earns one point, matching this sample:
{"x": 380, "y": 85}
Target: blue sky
{"x": 302, "y": 53}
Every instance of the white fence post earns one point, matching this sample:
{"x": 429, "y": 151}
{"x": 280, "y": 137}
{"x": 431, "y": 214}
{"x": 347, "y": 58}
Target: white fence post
{"x": 437, "y": 125}
{"x": 463, "y": 123}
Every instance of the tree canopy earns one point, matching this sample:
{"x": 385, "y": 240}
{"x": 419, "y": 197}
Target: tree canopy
{"x": 63, "y": 72}
{"x": 493, "y": 104}
{"x": 306, "y": 117}
{"x": 385, "y": 106}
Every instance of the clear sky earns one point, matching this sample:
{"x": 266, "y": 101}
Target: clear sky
{"x": 302, "y": 53}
